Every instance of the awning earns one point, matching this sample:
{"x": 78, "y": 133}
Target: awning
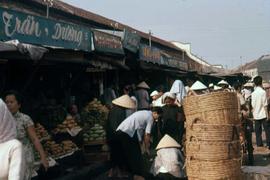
{"x": 7, "y": 47}
{"x": 34, "y": 52}
{"x": 151, "y": 66}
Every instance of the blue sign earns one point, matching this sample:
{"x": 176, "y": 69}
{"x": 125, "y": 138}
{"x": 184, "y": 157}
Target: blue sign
{"x": 41, "y": 31}
{"x": 150, "y": 54}
{"x": 131, "y": 41}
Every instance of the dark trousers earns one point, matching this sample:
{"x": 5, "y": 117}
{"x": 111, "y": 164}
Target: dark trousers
{"x": 258, "y": 131}
{"x": 129, "y": 154}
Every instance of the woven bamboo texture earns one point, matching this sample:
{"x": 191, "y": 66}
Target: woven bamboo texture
{"x": 212, "y": 136}
{"x": 225, "y": 169}
{"x": 210, "y": 132}
{"x": 213, "y": 151}
{"x": 214, "y": 108}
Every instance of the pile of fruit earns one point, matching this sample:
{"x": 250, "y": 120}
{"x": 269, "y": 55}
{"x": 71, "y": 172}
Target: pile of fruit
{"x": 53, "y": 149}
{"x": 94, "y": 113}
{"x": 41, "y": 132}
{"x": 69, "y": 123}
{"x": 68, "y": 146}
{"x": 96, "y": 133}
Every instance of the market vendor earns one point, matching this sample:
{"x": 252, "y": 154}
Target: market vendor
{"x": 74, "y": 112}
{"x": 156, "y": 99}
{"x": 131, "y": 132}
{"x": 116, "y": 116}
{"x": 224, "y": 84}
{"x": 142, "y": 96}
{"x": 11, "y": 151}
{"x": 173, "y": 118}
{"x": 169, "y": 162}
{"x": 25, "y": 133}
{"x": 198, "y": 88}
{"x": 178, "y": 88}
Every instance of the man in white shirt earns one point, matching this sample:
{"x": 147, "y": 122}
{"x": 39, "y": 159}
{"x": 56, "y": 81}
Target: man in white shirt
{"x": 260, "y": 115}
{"x": 130, "y": 133}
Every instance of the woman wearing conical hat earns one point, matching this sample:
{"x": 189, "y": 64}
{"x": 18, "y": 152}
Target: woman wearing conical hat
{"x": 169, "y": 162}
{"x": 198, "y": 88}
{"x": 116, "y": 116}
{"x": 142, "y": 96}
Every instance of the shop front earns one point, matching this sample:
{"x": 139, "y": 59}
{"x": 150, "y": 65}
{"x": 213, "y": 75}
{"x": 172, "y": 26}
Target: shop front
{"x": 49, "y": 63}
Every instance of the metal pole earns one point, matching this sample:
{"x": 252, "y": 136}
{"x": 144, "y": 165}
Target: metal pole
{"x": 150, "y": 33}
{"x": 47, "y": 11}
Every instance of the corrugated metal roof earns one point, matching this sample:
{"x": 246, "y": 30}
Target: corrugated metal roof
{"x": 75, "y": 11}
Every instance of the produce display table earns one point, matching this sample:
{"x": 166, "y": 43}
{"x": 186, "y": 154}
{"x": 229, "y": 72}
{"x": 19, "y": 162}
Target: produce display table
{"x": 73, "y": 160}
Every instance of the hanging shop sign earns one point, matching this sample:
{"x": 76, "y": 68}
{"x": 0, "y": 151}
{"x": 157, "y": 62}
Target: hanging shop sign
{"x": 107, "y": 43}
{"x": 41, "y": 31}
{"x": 178, "y": 63}
{"x": 156, "y": 55}
{"x": 131, "y": 41}
{"x": 150, "y": 54}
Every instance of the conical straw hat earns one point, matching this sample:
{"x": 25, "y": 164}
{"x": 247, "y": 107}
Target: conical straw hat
{"x": 124, "y": 101}
{"x": 198, "y": 86}
{"x": 223, "y": 82}
{"x": 211, "y": 85}
{"x": 167, "y": 142}
{"x": 143, "y": 85}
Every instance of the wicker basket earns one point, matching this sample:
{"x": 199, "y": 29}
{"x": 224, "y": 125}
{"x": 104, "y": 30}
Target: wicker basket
{"x": 210, "y": 132}
{"x": 213, "y": 151}
{"x": 225, "y": 169}
{"x": 213, "y": 108}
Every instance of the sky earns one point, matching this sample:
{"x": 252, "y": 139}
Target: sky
{"x": 226, "y": 32}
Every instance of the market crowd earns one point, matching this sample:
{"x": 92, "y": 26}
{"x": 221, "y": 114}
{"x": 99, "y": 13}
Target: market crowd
{"x": 145, "y": 133}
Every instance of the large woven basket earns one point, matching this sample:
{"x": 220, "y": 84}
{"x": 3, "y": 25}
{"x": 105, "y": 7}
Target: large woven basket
{"x": 210, "y": 132}
{"x": 225, "y": 169}
{"x": 214, "y": 108}
{"x": 213, "y": 151}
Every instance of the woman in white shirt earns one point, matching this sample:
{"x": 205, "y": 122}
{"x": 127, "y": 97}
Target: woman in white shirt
{"x": 11, "y": 156}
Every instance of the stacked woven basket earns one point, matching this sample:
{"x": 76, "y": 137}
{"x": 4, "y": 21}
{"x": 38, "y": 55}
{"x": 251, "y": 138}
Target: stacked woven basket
{"x": 212, "y": 137}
